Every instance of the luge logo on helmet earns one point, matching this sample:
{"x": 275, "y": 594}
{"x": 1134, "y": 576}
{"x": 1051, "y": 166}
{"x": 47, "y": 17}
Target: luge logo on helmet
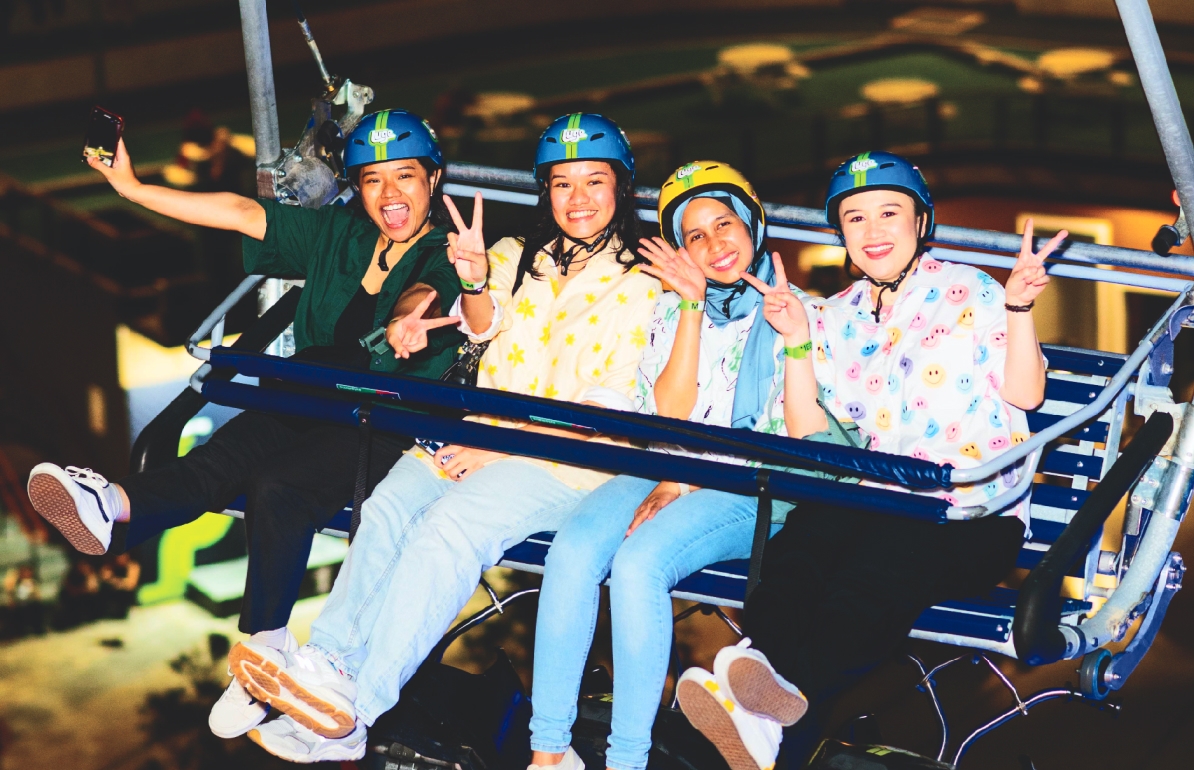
{"x": 572, "y": 135}
{"x": 381, "y": 136}
{"x": 688, "y": 170}
{"x": 862, "y": 164}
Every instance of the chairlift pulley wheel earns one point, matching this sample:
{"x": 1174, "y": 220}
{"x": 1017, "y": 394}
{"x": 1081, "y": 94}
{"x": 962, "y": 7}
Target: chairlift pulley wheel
{"x": 1092, "y": 674}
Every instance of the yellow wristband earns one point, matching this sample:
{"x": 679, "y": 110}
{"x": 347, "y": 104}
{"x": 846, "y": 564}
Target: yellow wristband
{"x": 800, "y": 352}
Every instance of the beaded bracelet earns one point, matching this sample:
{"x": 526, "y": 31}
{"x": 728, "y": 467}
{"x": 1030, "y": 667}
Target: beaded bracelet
{"x": 1018, "y": 308}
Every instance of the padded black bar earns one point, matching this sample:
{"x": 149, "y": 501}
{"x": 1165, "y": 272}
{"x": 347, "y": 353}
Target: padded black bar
{"x": 762, "y": 531}
{"x": 158, "y": 442}
{"x": 904, "y": 471}
{"x": 736, "y": 479}
{"x": 1034, "y": 630}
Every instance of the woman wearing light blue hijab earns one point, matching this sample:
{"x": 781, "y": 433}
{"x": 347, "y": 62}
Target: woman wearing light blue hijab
{"x": 711, "y": 358}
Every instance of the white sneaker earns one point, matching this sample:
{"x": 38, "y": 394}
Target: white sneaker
{"x": 748, "y": 680}
{"x": 746, "y": 741}
{"x": 286, "y": 738}
{"x": 79, "y": 502}
{"x": 571, "y": 761}
{"x": 301, "y": 683}
{"x": 236, "y": 712}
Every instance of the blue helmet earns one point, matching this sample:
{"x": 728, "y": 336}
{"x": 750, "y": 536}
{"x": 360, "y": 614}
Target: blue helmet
{"x": 583, "y": 136}
{"x": 877, "y": 171}
{"x": 391, "y": 135}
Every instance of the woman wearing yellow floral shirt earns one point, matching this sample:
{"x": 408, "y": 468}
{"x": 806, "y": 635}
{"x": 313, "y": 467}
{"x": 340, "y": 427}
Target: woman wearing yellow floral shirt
{"x": 565, "y": 310}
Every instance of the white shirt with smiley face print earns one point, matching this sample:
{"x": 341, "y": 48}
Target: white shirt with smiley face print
{"x": 924, "y": 381}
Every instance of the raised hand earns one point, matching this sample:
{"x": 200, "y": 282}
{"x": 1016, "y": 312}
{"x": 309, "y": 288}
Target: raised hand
{"x": 782, "y": 309}
{"x": 675, "y": 268}
{"x": 1028, "y": 278}
{"x": 407, "y": 334}
{"x": 466, "y": 247}
{"x": 120, "y": 175}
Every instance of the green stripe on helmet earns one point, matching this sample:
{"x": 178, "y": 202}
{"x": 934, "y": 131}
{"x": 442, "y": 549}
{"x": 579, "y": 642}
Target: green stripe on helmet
{"x": 380, "y": 152}
{"x": 860, "y": 176}
{"x": 573, "y": 124}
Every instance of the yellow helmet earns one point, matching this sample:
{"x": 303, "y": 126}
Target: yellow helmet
{"x": 704, "y": 176}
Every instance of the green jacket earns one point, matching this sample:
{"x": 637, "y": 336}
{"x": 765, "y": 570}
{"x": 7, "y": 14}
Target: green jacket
{"x": 331, "y": 247}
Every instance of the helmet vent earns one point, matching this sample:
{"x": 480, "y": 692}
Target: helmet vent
{"x": 886, "y": 165}
{"x": 358, "y": 141}
{"x": 551, "y": 139}
{"x": 403, "y": 135}
{"x": 712, "y": 167}
{"x": 596, "y": 136}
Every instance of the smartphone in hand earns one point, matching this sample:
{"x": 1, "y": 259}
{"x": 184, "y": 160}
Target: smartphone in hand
{"x": 103, "y": 134}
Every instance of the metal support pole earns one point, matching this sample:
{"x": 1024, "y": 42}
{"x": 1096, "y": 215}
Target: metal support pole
{"x": 254, "y": 25}
{"x": 1162, "y": 96}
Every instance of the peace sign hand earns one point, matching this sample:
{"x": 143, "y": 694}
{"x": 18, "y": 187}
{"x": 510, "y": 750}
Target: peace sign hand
{"x": 675, "y": 268}
{"x": 782, "y": 309}
{"x": 407, "y": 334}
{"x": 466, "y": 247}
{"x": 1028, "y": 278}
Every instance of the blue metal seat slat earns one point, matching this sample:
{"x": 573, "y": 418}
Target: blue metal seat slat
{"x": 1079, "y": 361}
{"x": 1072, "y": 464}
{"x": 1093, "y": 431}
{"x": 1071, "y": 392}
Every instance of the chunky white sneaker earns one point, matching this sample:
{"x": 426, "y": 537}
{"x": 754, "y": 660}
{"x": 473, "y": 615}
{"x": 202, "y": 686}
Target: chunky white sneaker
{"x": 236, "y": 712}
{"x": 79, "y": 502}
{"x": 286, "y": 738}
{"x": 746, "y": 741}
{"x": 748, "y": 680}
{"x": 301, "y": 683}
{"x": 571, "y": 761}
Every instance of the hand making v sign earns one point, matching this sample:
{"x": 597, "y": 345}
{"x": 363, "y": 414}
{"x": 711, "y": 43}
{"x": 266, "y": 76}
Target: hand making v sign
{"x": 1028, "y": 278}
{"x": 781, "y": 308}
{"x": 466, "y": 247}
{"x": 407, "y": 334}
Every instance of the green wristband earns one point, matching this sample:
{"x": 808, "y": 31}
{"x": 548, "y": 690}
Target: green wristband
{"x": 693, "y": 304}
{"x": 472, "y": 288}
{"x": 800, "y": 352}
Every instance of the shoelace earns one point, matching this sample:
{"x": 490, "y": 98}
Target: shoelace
{"x": 86, "y": 474}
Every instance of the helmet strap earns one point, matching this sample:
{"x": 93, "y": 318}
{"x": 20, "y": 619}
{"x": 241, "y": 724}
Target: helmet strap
{"x": 381, "y": 258}
{"x": 599, "y": 243}
{"x": 891, "y": 286}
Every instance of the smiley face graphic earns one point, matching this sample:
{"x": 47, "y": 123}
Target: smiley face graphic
{"x": 919, "y": 403}
{"x": 971, "y": 450}
{"x": 933, "y": 375}
{"x": 981, "y": 354}
{"x": 883, "y": 419}
{"x": 986, "y": 295}
{"x": 920, "y": 454}
{"x": 906, "y": 414}
{"x": 985, "y": 279}
{"x": 1018, "y": 437}
{"x": 874, "y": 441}
{"x": 993, "y": 379}
{"x": 957, "y": 294}
{"x": 967, "y": 318}
{"x": 894, "y": 336}
{"x": 827, "y": 392}
{"x": 874, "y": 383}
{"x": 998, "y": 444}
{"x": 856, "y": 410}
{"x": 932, "y": 429}
{"x": 974, "y": 402}
{"x": 854, "y": 371}
{"x": 930, "y": 265}
{"x": 953, "y": 431}
{"x": 990, "y": 489}
{"x": 918, "y": 321}
{"x": 906, "y": 366}
{"x": 821, "y": 353}
{"x": 869, "y": 349}
{"x": 999, "y": 339}
{"x": 893, "y": 383}
{"x": 995, "y": 420}
{"x": 930, "y": 341}
{"x": 848, "y": 331}
{"x": 964, "y": 382}
{"x": 933, "y": 294}
{"x": 939, "y": 330}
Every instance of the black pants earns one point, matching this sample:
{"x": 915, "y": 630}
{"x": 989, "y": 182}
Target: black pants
{"x": 296, "y": 475}
{"x": 841, "y": 588}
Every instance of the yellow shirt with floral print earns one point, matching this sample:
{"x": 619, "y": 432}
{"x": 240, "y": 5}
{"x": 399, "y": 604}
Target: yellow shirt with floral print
{"x": 558, "y": 342}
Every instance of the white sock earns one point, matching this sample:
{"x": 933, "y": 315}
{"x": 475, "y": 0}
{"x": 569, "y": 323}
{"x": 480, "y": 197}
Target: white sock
{"x": 278, "y": 638}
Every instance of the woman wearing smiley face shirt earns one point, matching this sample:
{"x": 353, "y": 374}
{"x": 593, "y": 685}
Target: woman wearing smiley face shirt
{"x": 932, "y": 360}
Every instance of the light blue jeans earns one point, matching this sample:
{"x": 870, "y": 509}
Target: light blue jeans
{"x": 696, "y": 530}
{"x": 418, "y": 555}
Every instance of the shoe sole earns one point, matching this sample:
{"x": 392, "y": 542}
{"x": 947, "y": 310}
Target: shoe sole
{"x": 270, "y": 684}
{"x": 55, "y": 504}
{"x": 709, "y": 716}
{"x": 756, "y": 690}
{"x": 327, "y": 756}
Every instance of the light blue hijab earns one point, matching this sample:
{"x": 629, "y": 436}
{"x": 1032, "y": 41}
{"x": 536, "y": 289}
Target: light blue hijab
{"x": 733, "y": 302}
